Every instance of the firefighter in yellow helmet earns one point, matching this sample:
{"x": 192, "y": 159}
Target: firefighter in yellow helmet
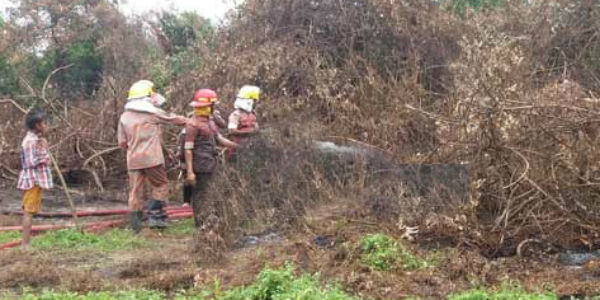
{"x": 242, "y": 121}
{"x": 140, "y": 133}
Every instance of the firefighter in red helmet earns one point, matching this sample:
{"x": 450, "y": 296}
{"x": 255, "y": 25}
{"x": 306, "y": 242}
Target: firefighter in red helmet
{"x": 199, "y": 148}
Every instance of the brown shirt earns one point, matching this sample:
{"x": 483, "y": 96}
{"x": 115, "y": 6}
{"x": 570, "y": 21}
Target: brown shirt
{"x": 141, "y": 134}
{"x": 206, "y": 126}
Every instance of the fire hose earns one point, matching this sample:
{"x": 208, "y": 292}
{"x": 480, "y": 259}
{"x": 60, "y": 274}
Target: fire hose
{"x": 179, "y": 213}
{"x": 91, "y": 213}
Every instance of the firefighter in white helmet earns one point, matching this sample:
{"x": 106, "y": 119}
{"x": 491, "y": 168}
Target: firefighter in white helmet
{"x": 242, "y": 121}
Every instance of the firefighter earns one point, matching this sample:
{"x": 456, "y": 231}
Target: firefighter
{"x": 199, "y": 148}
{"x": 140, "y": 133}
{"x": 242, "y": 121}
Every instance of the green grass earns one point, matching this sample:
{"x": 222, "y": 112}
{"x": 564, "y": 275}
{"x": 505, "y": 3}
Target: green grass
{"x": 9, "y": 236}
{"x": 120, "y": 295}
{"x": 501, "y": 294}
{"x": 383, "y": 253}
{"x": 180, "y": 228}
{"x": 276, "y": 284}
{"x": 72, "y": 239}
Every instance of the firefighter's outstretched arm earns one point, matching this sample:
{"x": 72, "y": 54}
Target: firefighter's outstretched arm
{"x": 226, "y": 142}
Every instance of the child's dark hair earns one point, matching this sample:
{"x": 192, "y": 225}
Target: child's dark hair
{"x": 34, "y": 117}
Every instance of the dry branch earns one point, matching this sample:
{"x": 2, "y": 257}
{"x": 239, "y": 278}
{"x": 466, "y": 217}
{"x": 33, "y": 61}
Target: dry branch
{"x": 14, "y": 103}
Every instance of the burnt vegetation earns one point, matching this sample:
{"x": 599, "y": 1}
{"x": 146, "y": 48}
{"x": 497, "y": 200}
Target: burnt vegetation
{"x": 502, "y": 95}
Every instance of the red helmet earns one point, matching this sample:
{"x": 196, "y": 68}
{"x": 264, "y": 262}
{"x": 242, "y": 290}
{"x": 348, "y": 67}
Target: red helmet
{"x": 204, "y": 97}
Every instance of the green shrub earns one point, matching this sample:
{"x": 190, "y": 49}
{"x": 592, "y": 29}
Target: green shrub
{"x": 379, "y": 252}
{"x": 278, "y": 284}
{"x": 383, "y": 253}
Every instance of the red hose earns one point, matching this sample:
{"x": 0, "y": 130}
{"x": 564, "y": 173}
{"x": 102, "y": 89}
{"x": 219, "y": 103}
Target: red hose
{"x": 10, "y": 244}
{"x": 102, "y": 225}
{"x": 90, "y": 213}
{"x": 93, "y": 227}
{"x": 180, "y": 212}
{"x": 181, "y": 215}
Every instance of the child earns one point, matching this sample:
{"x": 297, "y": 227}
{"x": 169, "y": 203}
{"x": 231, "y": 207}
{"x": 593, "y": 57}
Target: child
{"x": 35, "y": 175}
{"x": 242, "y": 121}
{"x": 199, "y": 148}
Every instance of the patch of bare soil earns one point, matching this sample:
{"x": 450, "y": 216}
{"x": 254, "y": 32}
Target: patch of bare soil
{"x": 10, "y": 220}
{"x": 20, "y": 269}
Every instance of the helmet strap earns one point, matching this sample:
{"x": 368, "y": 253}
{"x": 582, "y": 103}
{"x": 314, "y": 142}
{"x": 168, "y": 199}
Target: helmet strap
{"x": 203, "y": 111}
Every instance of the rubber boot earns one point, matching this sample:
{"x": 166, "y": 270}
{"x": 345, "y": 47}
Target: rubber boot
{"x": 135, "y": 220}
{"x": 157, "y": 216}
{"x": 188, "y": 190}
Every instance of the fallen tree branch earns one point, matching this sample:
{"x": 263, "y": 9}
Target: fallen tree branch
{"x": 45, "y": 86}
{"x": 523, "y": 243}
{"x": 13, "y": 102}
{"x": 98, "y": 154}
{"x": 11, "y": 171}
{"x": 524, "y": 172}
{"x": 430, "y": 115}
{"x": 96, "y": 179}
{"x": 66, "y": 189}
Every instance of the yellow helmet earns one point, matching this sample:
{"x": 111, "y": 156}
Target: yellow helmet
{"x": 249, "y": 92}
{"x": 140, "y": 89}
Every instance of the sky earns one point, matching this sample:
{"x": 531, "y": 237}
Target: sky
{"x": 212, "y": 9}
